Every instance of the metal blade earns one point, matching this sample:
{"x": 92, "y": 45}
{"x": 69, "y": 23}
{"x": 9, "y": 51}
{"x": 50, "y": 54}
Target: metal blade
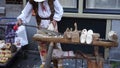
{"x": 49, "y": 32}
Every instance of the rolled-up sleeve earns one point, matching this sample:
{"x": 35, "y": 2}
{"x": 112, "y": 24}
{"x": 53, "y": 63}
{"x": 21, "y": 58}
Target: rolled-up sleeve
{"x": 26, "y": 13}
{"x": 58, "y": 10}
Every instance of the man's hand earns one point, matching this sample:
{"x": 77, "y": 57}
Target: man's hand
{"x": 19, "y": 22}
{"x": 54, "y": 23}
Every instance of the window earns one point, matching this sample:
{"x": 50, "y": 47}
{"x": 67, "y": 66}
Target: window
{"x": 102, "y": 6}
{"x": 69, "y": 5}
{"x": 14, "y": 1}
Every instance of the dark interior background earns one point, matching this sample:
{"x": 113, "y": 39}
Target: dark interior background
{"x": 97, "y": 25}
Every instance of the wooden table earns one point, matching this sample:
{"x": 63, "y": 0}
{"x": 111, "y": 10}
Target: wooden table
{"x": 52, "y": 40}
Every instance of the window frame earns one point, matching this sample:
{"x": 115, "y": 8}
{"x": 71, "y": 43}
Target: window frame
{"x": 72, "y": 10}
{"x": 14, "y": 2}
{"x": 99, "y": 11}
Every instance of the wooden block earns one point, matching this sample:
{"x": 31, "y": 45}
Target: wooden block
{"x": 94, "y": 64}
{"x": 75, "y": 36}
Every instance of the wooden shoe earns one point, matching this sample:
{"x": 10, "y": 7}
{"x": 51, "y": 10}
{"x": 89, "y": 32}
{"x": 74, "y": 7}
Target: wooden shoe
{"x": 112, "y": 35}
{"x": 60, "y": 67}
{"x": 89, "y": 37}
{"x": 83, "y": 36}
{"x": 42, "y": 66}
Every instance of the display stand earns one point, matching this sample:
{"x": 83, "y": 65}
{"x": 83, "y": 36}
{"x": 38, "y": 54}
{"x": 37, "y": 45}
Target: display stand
{"x": 6, "y": 28}
{"x": 95, "y": 43}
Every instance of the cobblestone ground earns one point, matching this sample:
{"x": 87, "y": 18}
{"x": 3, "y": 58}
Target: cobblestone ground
{"x": 32, "y": 60}
{"x": 75, "y": 63}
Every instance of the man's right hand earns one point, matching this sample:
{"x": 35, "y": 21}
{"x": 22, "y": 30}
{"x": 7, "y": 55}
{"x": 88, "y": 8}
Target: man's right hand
{"x": 18, "y": 23}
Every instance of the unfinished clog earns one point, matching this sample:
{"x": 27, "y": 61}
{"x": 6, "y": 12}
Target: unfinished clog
{"x": 89, "y": 37}
{"x": 112, "y": 35}
{"x": 83, "y": 36}
{"x": 42, "y": 66}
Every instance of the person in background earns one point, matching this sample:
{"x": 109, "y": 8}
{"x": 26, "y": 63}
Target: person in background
{"x": 46, "y": 12}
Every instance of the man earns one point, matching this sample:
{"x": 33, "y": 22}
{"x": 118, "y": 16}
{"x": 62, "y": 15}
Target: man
{"x": 45, "y": 14}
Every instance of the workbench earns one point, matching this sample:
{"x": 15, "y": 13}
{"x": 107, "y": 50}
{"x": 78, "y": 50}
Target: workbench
{"x": 53, "y": 40}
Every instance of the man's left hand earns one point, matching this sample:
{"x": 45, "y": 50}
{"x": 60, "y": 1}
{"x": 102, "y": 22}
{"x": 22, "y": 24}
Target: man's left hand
{"x": 54, "y": 23}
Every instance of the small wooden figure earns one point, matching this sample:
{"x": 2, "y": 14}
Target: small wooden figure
{"x": 75, "y": 34}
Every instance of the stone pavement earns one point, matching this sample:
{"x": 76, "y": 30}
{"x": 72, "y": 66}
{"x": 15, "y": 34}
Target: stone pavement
{"x": 32, "y": 60}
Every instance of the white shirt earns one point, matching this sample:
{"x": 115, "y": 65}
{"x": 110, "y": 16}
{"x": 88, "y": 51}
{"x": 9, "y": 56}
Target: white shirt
{"x": 26, "y": 14}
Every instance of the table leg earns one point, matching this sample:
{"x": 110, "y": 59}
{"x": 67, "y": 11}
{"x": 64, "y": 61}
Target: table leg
{"x": 55, "y": 63}
{"x": 49, "y": 55}
{"x": 60, "y": 65}
{"x": 96, "y": 51}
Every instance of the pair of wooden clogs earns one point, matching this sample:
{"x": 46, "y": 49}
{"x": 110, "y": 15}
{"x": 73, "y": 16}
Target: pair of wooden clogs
{"x": 86, "y": 36}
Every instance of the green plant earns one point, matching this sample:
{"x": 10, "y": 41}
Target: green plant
{"x": 115, "y": 64}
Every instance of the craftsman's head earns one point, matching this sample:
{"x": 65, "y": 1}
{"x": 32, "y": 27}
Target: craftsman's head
{"x": 39, "y": 0}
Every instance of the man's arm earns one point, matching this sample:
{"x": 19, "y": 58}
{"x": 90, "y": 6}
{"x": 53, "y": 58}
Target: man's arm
{"x": 26, "y": 14}
{"x": 58, "y": 11}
